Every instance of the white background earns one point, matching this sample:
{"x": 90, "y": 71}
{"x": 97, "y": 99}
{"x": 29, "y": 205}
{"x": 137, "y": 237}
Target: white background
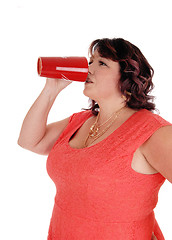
{"x": 66, "y": 28}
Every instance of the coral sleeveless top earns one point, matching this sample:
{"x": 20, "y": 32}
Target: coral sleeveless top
{"x": 99, "y": 196}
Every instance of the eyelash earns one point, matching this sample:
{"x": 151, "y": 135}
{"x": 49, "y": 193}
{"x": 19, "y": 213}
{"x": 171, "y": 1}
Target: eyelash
{"x": 100, "y": 62}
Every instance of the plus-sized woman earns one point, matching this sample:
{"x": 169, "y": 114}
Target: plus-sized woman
{"x": 109, "y": 161}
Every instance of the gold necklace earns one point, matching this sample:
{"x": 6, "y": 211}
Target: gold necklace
{"x": 95, "y": 128}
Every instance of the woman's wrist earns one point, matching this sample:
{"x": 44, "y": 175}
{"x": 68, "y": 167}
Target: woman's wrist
{"x": 50, "y": 91}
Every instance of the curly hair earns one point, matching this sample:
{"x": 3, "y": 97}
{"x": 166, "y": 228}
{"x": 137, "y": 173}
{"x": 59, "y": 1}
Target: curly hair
{"x": 136, "y": 73}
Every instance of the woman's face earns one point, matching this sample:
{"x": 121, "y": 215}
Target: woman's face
{"x": 104, "y": 75}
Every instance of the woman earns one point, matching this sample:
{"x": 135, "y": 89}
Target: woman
{"x": 108, "y": 162}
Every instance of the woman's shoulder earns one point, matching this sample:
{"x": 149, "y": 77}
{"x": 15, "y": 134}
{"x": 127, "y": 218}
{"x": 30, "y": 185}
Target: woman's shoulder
{"x": 157, "y": 149}
{"x": 158, "y": 118}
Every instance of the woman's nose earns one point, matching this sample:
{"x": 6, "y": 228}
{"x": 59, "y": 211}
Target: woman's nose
{"x": 91, "y": 68}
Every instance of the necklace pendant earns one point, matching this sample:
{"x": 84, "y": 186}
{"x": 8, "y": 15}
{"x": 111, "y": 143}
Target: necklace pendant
{"x": 93, "y": 131}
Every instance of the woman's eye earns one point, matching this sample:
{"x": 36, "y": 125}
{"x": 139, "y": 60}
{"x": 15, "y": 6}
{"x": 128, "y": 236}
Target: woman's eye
{"x": 102, "y": 63}
{"x": 90, "y": 63}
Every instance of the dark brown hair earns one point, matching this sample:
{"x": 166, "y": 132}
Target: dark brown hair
{"x": 136, "y": 73}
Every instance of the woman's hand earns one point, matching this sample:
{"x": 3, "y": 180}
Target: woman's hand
{"x": 57, "y": 84}
{"x": 153, "y": 237}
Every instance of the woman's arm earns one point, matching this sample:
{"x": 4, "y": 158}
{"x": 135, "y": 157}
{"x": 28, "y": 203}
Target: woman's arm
{"x": 35, "y": 134}
{"x": 158, "y": 151}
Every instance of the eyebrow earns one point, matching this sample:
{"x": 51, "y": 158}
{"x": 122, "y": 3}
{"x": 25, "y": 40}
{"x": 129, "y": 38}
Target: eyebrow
{"x": 92, "y": 57}
{"x": 103, "y": 58}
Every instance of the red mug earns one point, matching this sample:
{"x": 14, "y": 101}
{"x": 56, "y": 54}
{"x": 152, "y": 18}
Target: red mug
{"x": 68, "y": 68}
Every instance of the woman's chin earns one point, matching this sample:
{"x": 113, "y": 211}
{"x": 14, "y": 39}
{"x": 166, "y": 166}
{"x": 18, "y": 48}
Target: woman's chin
{"x": 85, "y": 93}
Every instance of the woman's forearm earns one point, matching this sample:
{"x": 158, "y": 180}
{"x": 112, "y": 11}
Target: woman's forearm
{"x": 34, "y": 125}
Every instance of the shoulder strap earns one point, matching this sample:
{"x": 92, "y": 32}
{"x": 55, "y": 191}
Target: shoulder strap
{"x": 79, "y": 116}
{"x": 144, "y": 128}
{"x": 74, "y": 120}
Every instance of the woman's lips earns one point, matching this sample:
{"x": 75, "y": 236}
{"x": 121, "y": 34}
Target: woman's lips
{"x": 88, "y": 80}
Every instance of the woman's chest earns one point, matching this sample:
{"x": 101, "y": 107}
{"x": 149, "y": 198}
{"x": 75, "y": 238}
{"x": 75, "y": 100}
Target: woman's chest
{"x": 139, "y": 163}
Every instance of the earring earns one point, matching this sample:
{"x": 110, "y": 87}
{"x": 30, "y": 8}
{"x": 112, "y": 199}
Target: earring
{"x": 127, "y": 92}
{"x": 124, "y": 97}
